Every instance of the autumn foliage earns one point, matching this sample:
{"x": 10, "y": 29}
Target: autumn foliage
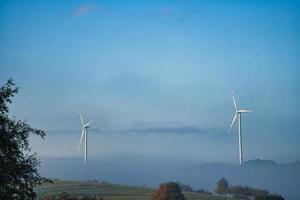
{"x": 169, "y": 191}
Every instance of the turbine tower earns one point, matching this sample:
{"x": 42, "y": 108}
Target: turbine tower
{"x": 84, "y": 134}
{"x": 238, "y": 115}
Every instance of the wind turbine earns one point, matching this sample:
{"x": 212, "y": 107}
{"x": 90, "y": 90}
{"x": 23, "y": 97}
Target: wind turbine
{"x": 238, "y": 115}
{"x": 84, "y": 134}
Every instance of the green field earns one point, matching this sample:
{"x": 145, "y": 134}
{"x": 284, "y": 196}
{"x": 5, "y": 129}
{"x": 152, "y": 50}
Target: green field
{"x": 107, "y": 190}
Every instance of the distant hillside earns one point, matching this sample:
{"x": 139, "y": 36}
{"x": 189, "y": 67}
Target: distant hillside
{"x": 107, "y": 190}
{"x": 260, "y": 162}
{"x": 283, "y": 179}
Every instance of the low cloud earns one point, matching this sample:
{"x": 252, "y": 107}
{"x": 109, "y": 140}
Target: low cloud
{"x": 172, "y": 127}
{"x": 171, "y": 14}
{"x": 84, "y": 9}
{"x": 164, "y": 14}
{"x": 175, "y": 130}
{"x": 164, "y": 127}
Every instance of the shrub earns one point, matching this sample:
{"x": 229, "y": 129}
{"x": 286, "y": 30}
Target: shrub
{"x": 168, "y": 191}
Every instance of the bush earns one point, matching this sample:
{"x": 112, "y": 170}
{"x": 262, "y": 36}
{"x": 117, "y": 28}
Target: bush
{"x": 169, "y": 191}
{"x": 270, "y": 197}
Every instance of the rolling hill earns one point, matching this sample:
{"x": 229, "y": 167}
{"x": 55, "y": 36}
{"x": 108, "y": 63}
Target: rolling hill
{"x": 107, "y": 190}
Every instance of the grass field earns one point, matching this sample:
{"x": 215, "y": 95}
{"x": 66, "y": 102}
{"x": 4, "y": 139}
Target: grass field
{"x": 107, "y": 190}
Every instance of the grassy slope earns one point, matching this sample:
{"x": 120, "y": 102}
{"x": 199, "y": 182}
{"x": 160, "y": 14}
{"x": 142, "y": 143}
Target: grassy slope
{"x": 108, "y": 191}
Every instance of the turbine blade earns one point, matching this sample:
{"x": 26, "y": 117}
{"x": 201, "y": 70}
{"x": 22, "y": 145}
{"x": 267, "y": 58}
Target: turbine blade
{"x": 87, "y": 124}
{"x": 233, "y": 120}
{"x": 81, "y": 119}
{"x": 235, "y": 105}
{"x": 244, "y": 111}
{"x": 82, "y": 133}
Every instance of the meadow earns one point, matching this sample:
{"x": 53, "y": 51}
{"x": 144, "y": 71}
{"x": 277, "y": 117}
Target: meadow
{"x": 107, "y": 190}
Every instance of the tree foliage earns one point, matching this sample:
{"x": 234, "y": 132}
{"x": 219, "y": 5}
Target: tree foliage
{"x": 18, "y": 166}
{"x": 244, "y": 192}
{"x": 168, "y": 191}
{"x": 222, "y": 187}
{"x": 270, "y": 197}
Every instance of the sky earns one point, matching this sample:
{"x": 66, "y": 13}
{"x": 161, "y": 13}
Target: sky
{"x": 156, "y": 76}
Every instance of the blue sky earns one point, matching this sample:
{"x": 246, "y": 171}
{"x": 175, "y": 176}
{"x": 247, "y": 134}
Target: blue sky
{"x": 156, "y": 65}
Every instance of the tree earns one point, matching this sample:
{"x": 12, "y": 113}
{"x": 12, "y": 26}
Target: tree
{"x": 270, "y": 197}
{"x": 168, "y": 191}
{"x": 18, "y": 166}
{"x": 239, "y": 191}
{"x": 222, "y": 187}
{"x": 258, "y": 192}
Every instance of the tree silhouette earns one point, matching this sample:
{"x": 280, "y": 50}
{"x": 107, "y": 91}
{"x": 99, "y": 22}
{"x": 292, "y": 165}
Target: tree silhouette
{"x": 222, "y": 187}
{"x": 18, "y": 167}
{"x": 270, "y": 197}
{"x": 239, "y": 191}
{"x": 168, "y": 191}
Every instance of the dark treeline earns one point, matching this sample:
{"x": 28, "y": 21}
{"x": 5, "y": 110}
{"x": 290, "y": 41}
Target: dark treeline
{"x": 236, "y": 191}
{"x": 244, "y": 192}
{"x": 188, "y": 188}
{"x": 66, "y": 196}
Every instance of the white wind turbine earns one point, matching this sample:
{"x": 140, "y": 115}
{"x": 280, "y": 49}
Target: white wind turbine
{"x": 238, "y": 114}
{"x": 84, "y": 134}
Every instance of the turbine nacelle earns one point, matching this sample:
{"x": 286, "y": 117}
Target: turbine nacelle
{"x": 87, "y": 124}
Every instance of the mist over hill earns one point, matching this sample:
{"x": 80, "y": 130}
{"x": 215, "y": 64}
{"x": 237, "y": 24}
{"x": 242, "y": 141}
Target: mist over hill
{"x": 283, "y": 179}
